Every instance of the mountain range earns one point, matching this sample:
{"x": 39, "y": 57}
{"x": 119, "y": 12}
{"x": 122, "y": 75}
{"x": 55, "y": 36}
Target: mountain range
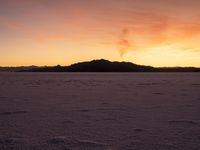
{"x": 100, "y": 65}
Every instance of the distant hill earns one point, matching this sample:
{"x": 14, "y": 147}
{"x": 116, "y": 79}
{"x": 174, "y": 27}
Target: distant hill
{"x": 108, "y": 66}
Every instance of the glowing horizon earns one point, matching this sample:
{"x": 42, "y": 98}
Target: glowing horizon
{"x": 148, "y": 32}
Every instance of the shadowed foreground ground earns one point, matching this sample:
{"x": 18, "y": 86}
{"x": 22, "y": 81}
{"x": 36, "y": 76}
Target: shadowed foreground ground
{"x": 99, "y": 111}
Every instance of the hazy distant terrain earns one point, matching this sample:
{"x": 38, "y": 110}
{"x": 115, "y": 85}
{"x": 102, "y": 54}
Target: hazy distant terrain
{"x": 99, "y": 111}
{"x": 16, "y": 69}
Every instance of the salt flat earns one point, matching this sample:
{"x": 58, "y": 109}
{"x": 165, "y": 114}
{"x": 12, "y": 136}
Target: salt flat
{"x": 100, "y": 111}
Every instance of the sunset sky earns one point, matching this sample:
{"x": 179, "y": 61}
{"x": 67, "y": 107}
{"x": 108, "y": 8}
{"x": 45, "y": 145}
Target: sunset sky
{"x": 148, "y": 32}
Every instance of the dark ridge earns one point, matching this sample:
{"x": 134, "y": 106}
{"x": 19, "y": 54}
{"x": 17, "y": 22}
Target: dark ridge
{"x": 105, "y": 66}
{"x": 14, "y": 69}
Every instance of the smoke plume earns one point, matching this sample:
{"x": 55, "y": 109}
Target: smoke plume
{"x": 124, "y": 42}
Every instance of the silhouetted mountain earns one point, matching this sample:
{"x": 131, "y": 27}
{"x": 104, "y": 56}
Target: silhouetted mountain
{"x": 108, "y": 66}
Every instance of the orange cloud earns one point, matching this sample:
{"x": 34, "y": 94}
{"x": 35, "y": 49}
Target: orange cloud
{"x": 147, "y": 30}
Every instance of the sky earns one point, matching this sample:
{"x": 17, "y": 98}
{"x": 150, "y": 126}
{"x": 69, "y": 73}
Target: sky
{"x": 147, "y": 32}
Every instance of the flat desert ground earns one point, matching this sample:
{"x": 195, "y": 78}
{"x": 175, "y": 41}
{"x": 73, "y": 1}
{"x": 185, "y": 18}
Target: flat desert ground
{"x": 99, "y": 111}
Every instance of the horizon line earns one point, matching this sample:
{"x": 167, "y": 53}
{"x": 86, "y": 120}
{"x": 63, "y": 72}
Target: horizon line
{"x": 18, "y": 66}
